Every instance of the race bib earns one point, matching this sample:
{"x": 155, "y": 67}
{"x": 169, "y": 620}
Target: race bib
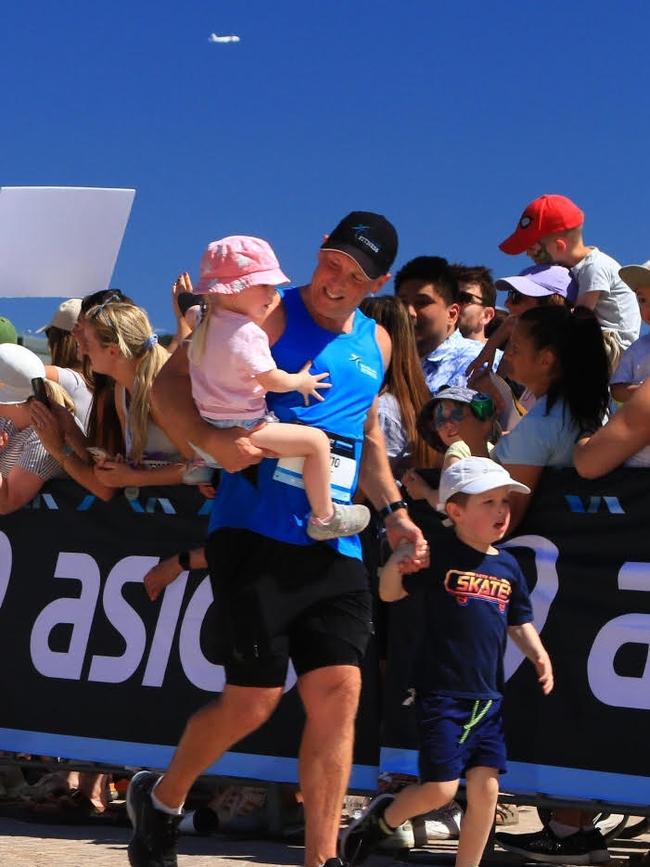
{"x": 343, "y": 468}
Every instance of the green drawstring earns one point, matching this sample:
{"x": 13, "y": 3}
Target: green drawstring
{"x": 475, "y": 719}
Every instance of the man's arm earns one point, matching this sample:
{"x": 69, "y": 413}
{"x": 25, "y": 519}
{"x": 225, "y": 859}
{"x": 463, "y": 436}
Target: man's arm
{"x": 376, "y": 478}
{"x": 173, "y": 408}
{"x": 624, "y": 434}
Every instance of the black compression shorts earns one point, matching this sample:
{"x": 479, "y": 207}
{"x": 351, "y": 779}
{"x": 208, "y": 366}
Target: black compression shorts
{"x": 276, "y": 601}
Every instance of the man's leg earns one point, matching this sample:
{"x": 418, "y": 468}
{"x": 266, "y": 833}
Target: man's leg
{"x": 330, "y": 696}
{"x": 154, "y": 806}
{"x": 210, "y": 732}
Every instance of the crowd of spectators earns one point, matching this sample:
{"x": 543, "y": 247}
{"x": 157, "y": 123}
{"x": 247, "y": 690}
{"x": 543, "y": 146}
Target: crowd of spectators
{"x": 557, "y": 379}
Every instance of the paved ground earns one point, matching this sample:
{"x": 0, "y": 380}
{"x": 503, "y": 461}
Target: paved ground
{"x": 29, "y": 845}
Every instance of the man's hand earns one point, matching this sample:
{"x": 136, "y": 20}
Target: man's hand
{"x": 400, "y": 530}
{"x": 236, "y": 451}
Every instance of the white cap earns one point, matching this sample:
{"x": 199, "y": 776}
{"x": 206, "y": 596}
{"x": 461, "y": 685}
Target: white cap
{"x": 636, "y": 276}
{"x": 65, "y": 316}
{"x": 18, "y": 366}
{"x": 475, "y": 476}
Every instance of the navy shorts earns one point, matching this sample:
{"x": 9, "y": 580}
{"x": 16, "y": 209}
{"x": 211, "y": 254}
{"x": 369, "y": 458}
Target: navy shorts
{"x": 457, "y": 734}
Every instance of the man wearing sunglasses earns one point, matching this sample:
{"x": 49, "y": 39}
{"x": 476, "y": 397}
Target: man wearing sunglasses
{"x": 429, "y": 289}
{"x": 477, "y": 298}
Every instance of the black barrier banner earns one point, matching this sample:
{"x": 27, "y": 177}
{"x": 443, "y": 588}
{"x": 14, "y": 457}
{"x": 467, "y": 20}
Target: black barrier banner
{"x": 93, "y": 670}
{"x": 585, "y": 551}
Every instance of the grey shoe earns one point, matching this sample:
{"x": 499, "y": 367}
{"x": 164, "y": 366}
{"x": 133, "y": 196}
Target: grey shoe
{"x": 346, "y": 521}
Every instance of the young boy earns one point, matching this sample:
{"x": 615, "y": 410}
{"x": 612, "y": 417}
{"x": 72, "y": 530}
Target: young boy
{"x": 634, "y": 366}
{"x": 473, "y": 596}
{"x": 550, "y": 230}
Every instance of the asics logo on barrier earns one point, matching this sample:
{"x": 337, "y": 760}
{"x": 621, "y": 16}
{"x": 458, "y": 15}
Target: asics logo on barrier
{"x": 593, "y": 505}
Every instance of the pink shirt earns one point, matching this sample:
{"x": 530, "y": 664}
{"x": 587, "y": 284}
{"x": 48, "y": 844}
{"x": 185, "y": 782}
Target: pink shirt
{"x": 223, "y": 382}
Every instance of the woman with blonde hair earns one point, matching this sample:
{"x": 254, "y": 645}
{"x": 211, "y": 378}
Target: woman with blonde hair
{"x": 118, "y": 339}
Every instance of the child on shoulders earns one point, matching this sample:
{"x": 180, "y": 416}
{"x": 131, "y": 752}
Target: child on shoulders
{"x": 231, "y": 369}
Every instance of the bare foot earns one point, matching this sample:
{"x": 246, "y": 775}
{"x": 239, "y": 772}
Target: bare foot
{"x": 159, "y": 576}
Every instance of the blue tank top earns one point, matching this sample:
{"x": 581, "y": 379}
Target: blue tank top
{"x": 277, "y": 506}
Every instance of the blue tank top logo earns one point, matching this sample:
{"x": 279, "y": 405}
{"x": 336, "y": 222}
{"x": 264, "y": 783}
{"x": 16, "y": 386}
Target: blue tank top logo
{"x": 277, "y": 505}
{"x": 364, "y": 368}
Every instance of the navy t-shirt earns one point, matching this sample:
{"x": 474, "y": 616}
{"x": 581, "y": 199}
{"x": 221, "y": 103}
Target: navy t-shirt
{"x": 468, "y": 600}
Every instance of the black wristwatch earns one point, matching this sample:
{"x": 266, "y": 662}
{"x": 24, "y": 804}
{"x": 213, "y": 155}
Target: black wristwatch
{"x": 392, "y": 507}
{"x": 184, "y": 560}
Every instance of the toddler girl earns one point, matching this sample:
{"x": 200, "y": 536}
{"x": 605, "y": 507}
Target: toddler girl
{"x": 231, "y": 368}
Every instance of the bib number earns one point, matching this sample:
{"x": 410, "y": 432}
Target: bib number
{"x": 343, "y": 469}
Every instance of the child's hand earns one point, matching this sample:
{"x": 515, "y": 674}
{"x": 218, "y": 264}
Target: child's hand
{"x": 403, "y": 555}
{"x": 308, "y": 384}
{"x": 544, "y": 670}
{"x": 415, "y": 485}
{"x": 409, "y": 557}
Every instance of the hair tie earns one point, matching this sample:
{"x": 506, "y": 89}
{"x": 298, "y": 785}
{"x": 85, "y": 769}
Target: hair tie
{"x": 150, "y": 341}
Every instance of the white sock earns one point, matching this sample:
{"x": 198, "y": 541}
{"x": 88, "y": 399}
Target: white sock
{"x": 562, "y": 831}
{"x": 171, "y": 811}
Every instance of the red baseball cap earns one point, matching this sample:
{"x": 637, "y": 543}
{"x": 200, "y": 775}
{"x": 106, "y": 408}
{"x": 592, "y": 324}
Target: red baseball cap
{"x": 543, "y": 216}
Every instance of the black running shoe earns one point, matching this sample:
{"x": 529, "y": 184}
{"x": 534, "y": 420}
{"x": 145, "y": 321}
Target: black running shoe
{"x": 364, "y": 835}
{"x": 153, "y": 843}
{"x": 583, "y": 847}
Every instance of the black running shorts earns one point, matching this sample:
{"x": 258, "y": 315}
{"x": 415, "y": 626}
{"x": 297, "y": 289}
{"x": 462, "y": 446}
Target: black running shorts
{"x": 275, "y": 601}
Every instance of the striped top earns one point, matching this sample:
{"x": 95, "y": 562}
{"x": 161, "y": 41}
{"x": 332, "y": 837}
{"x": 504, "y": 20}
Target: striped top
{"x": 25, "y": 450}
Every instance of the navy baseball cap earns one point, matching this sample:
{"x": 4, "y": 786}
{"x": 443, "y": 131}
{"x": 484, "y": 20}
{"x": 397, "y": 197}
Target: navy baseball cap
{"x": 368, "y": 238}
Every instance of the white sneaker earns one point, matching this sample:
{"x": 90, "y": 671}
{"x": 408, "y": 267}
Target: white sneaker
{"x": 346, "y": 521}
{"x": 402, "y": 838}
{"x": 443, "y": 824}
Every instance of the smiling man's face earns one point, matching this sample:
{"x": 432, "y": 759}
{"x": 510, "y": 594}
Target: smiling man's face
{"x": 338, "y": 285}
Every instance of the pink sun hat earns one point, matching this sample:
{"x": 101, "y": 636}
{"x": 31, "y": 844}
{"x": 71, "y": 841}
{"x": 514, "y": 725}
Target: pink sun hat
{"x": 233, "y": 264}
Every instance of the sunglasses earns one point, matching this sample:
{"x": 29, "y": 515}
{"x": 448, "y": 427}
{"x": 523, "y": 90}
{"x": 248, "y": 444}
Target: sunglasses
{"x": 481, "y": 407}
{"x": 514, "y": 296}
{"x": 469, "y": 298}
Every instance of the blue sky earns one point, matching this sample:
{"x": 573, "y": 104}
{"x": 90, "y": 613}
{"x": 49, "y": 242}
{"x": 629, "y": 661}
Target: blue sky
{"x": 448, "y": 117}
